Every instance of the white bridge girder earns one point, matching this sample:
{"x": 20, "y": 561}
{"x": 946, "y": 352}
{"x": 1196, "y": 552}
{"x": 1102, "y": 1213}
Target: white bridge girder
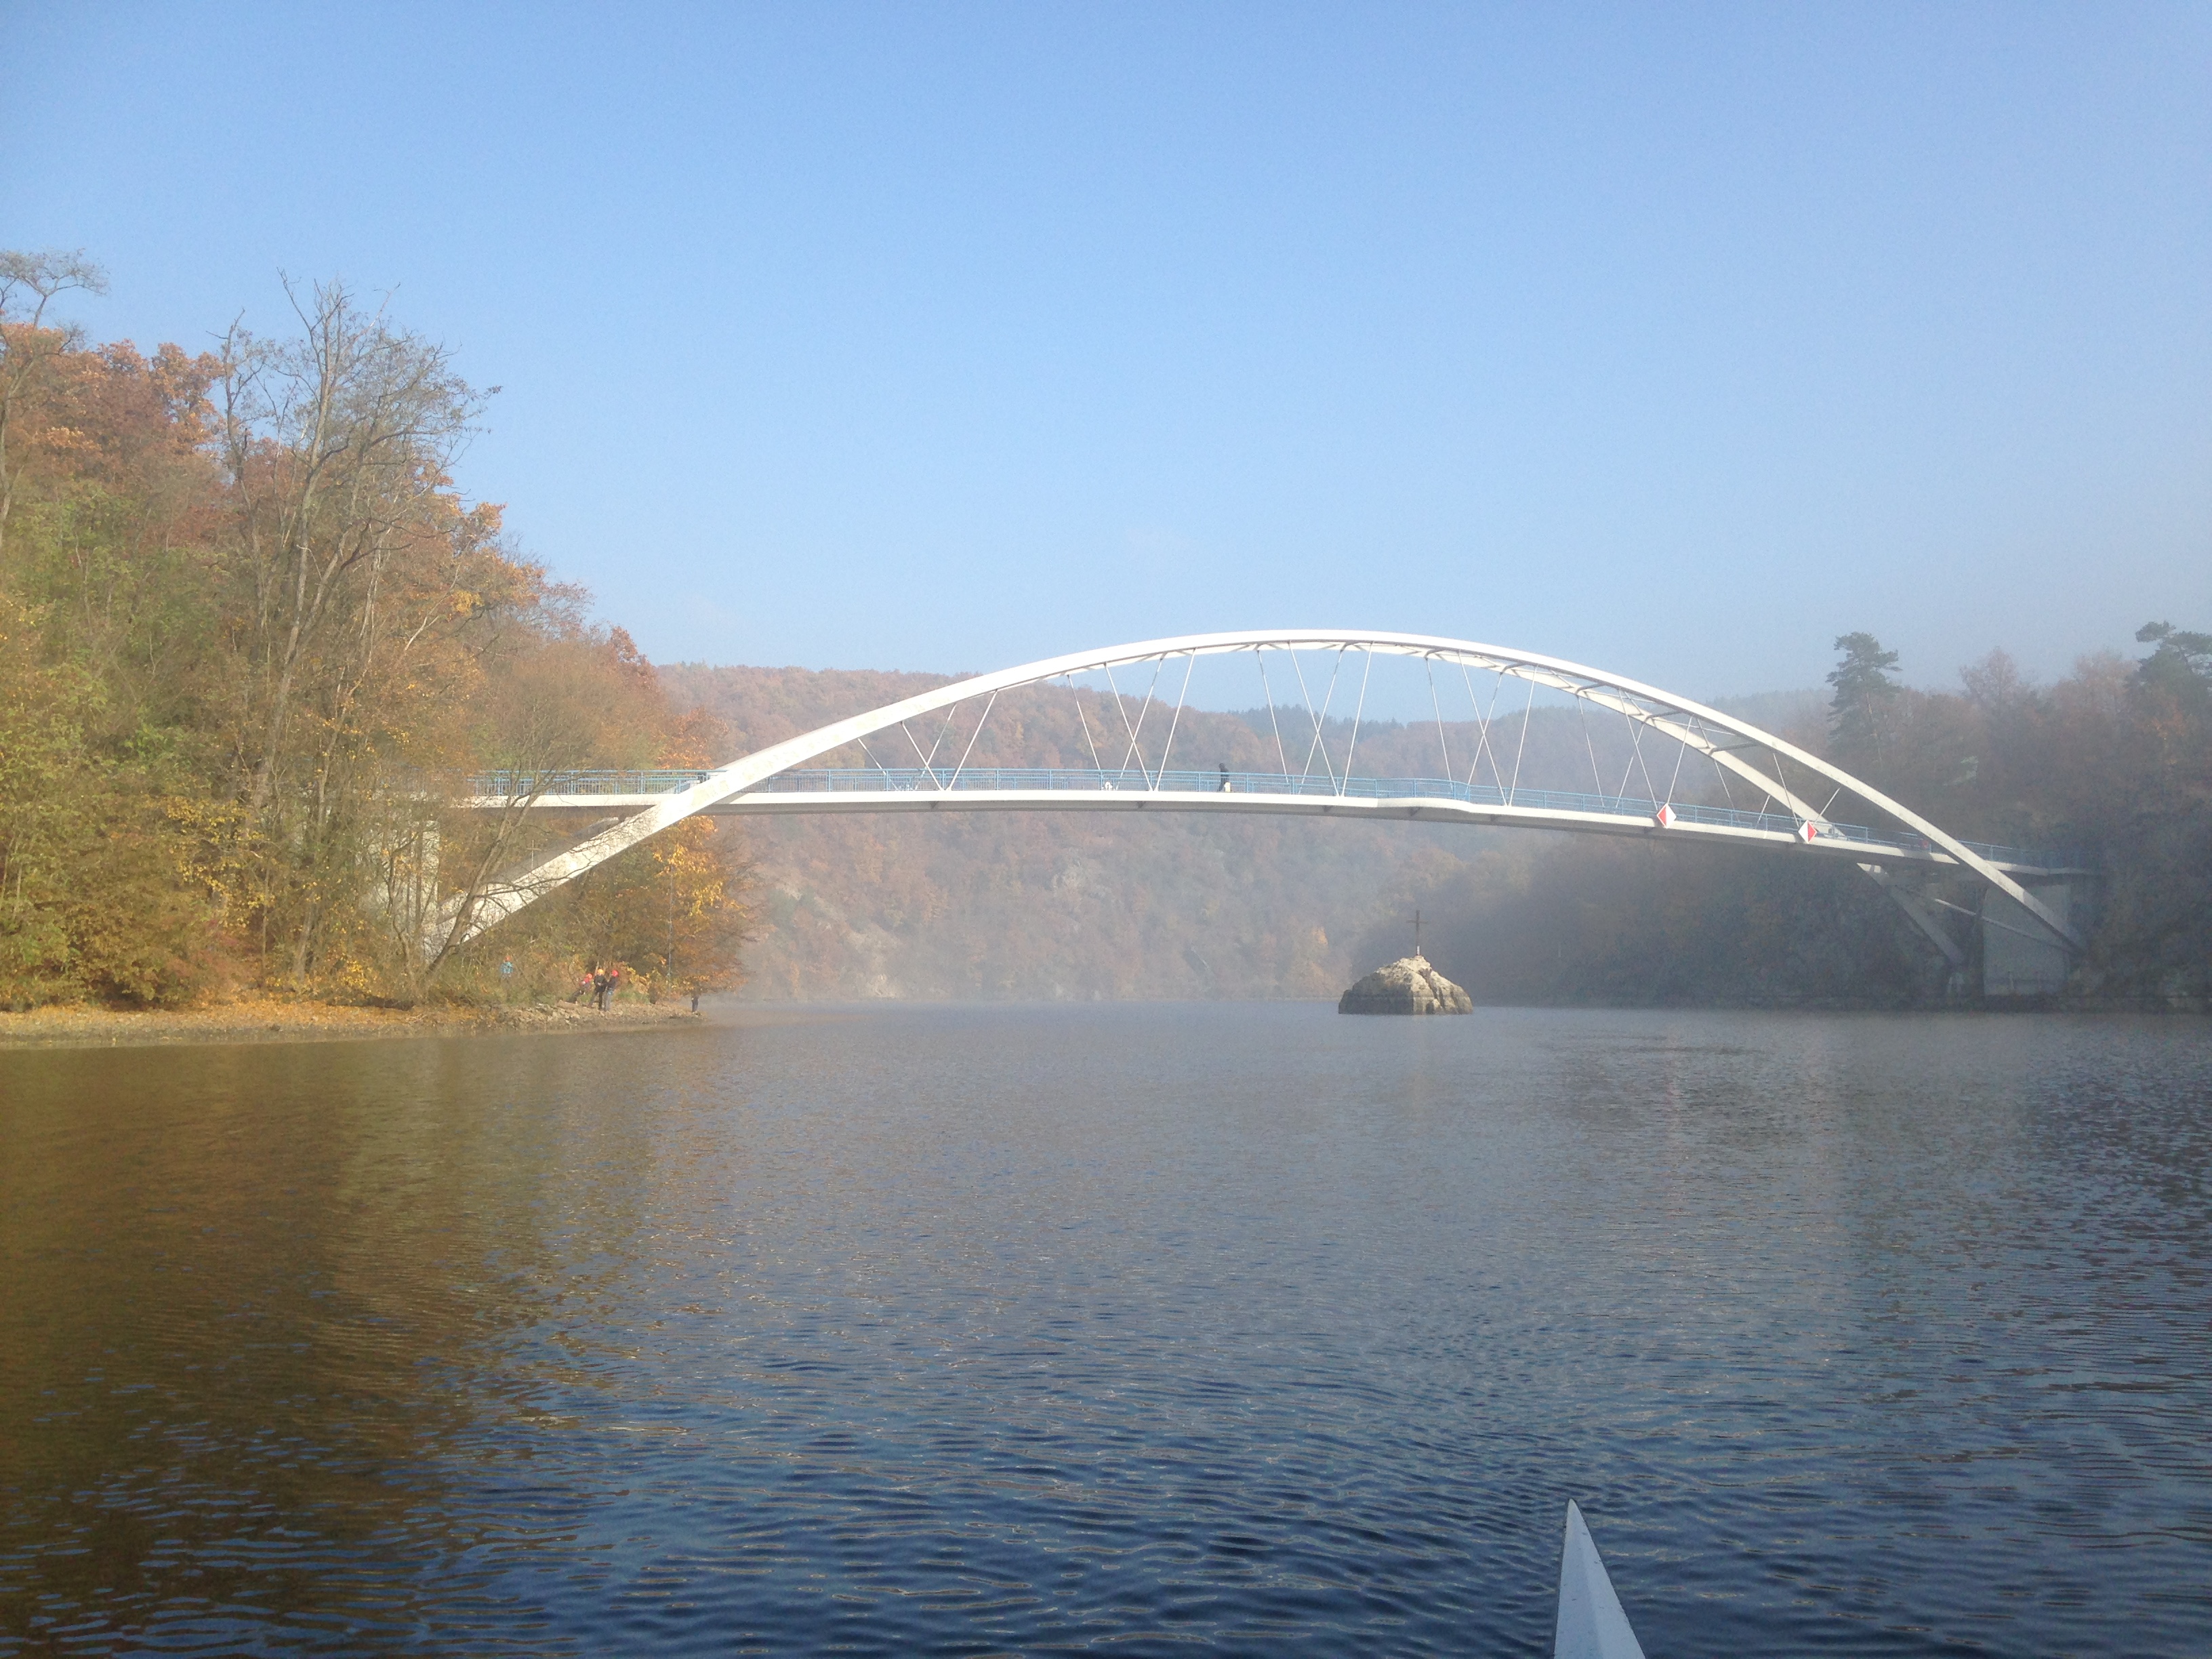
{"x": 812, "y": 803}
{"x": 1729, "y": 743}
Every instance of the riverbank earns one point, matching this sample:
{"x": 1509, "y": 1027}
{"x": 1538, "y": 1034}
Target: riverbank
{"x": 271, "y": 1020}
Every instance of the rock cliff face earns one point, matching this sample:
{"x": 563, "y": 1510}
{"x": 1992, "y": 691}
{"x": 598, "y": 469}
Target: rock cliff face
{"x": 1407, "y": 986}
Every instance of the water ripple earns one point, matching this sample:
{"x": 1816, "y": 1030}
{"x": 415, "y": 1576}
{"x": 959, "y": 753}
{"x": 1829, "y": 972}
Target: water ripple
{"x": 1133, "y": 1330}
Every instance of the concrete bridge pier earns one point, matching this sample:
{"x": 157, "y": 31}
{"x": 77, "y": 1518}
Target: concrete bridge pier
{"x": 2021, "y": 954}
{"x": 1939, "y": 920}
{"x": 1993, "y": 946}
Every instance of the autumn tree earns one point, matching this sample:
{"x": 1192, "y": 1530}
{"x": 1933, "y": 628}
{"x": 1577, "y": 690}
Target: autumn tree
{"x": 685, "y": 918}
{"x": 557, "y": 698}
{"x": 103, "y": 891}
{"x": 253, "y": 645}
{"x": 670, "y": 913}
{"x": 337, "y": 445}
{"x": 29, "y": 284}
{"x": 108, "y": 886}
{"x": 352, "y": 577}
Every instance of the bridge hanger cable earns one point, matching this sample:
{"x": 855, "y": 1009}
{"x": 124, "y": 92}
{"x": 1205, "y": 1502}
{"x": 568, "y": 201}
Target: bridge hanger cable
{"x": 1114, "y": 687}
{"x": 1490, "y": 727}
{"x": 1168, "y": 749}
{"x": 989, "y": 703}
{"x": 1356, "y": 714}
{"x": 952, "y": 719}
{"x": 1643, "y": 762}
{"x": 1481, "y": 733}
{"x": 1636, "y": 745}
{"x": 1582, "y": 711}
{"x": 1152, "y": 700}
{"x": 1482, "y": 725}
{"x": 929, "y": 761}
{"x": 1305, "y": 698}
{"x": 914, "y": 744}
{"x": 1076, "y": 692}
{"x": 1307, "y": 771}
{"x": 1781, "y": 782}
{"x": 1144, "y": 708}
{"x": 1145, "y": 712}
{"x": 1269, "y": 692}
{"x": 1515, "y": 787}
{"x": 1336, "y": 778}
{"x": 1429, "y": 664}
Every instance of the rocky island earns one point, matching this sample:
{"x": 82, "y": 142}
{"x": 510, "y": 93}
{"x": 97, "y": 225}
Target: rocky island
{"x": 1407, "y": 986}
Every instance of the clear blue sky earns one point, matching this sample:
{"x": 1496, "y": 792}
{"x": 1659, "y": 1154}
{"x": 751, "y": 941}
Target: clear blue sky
{"x": 1677, "y": 339}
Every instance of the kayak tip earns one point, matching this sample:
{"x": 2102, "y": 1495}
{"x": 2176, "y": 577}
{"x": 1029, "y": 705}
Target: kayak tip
{"x": 1591, "y": 1623}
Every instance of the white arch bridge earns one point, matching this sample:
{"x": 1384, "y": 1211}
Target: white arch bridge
{"x": 1672, "y": 768}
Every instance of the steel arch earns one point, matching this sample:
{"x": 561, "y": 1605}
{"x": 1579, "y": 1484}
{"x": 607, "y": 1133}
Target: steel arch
{"x": 1684, "y": 720}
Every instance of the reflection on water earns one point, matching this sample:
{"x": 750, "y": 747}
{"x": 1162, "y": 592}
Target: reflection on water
{"x": 1249, "y": 1328}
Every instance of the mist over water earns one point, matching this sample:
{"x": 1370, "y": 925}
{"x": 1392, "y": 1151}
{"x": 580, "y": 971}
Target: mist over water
{"x": 1242, "y": 1329}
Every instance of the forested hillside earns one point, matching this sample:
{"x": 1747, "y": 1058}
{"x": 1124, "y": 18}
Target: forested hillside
{"x": 251, "y": 639}
{"x": 2117, "y": 756}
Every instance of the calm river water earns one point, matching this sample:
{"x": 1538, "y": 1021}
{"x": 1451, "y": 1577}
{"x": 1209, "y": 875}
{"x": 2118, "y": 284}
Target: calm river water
{"x": 1239, "y": 1329}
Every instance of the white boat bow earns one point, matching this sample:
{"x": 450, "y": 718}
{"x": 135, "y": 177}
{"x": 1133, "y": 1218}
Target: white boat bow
{"x": 1591, "y": 1624}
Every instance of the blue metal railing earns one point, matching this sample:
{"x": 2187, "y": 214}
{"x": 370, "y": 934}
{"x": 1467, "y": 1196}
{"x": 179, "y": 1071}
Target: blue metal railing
{"x": 511, "y": 785}
{"x": 942, "y": 779}
{"x": 1316, "y": 784}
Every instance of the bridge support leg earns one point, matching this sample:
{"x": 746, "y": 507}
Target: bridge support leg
{"x": 1926, "y": 916}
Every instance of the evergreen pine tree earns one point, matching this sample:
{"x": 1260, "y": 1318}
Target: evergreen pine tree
{"x": 1864, "y": 692}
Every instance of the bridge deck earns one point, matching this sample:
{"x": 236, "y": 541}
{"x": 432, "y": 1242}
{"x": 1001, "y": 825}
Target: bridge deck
{"x": 896, "y": 789}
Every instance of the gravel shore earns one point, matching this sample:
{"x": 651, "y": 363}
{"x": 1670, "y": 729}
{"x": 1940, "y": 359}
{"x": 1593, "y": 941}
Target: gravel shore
{"x": 268, "y": 1020}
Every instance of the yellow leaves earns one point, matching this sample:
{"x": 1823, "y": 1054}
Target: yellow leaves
{"x": 215, "y": 837}
{"x": 466, "y": 604}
